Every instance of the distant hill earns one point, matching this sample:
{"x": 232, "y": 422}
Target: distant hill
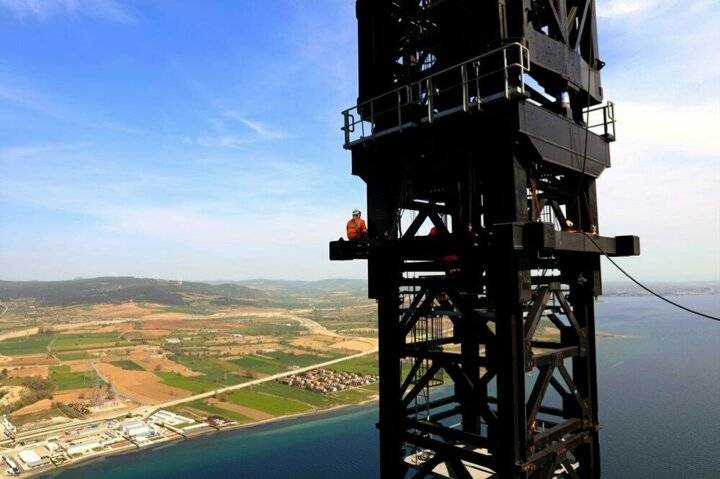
{"x": 324, "y": 286}
{"x": 255, "y": 292}
{"x": 612, "y": 288}
{"x": 122, "y": 289}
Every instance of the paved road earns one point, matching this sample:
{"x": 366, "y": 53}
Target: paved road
{"x": 254, "y": 382}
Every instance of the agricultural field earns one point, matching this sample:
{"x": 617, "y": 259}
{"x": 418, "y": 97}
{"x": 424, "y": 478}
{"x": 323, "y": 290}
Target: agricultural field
{"x": 147, "y": 342}
{"x": 262, "y": 400}
{"x": 363, "y": 365}
{"x": 70, "y": 342}
{"x": 194, "y": 385}
{"x": 127, "y": 364}
{"x": 277, "y": 361}
{"x": 73, "y": 356}
{"x": 213, "y": 370}
{"x": 64, "y": 378}
{"x": 203, "y": 409}
{"x": 37, "y": 343}
{"x": 356, "y": 395}
{"x": 355, "y": 320}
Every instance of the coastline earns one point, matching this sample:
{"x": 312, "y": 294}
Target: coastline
{"x": 270, "y": 423}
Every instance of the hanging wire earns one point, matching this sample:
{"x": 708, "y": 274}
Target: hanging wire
{"x": 579, "y": 186}
{"x": 657, "y": 295}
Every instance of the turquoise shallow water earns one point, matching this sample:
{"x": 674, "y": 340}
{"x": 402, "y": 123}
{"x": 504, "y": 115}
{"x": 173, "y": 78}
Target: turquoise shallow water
{"x": 659, "y": 398}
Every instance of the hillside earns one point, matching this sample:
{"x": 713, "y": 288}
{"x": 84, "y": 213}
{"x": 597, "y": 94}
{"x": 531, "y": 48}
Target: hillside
{"x": 325, "y": 286}
{"x": 260, "y": 292}
{"x": 123, "y": 289}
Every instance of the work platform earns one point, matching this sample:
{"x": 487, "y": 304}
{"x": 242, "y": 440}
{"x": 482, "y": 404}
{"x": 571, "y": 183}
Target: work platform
{"x": 473, "y": 98}
{"x": 528, "y": 236}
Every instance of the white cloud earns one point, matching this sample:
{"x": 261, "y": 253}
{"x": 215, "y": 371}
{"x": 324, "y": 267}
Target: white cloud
{"x": 261, "y": 130}
{"x": 621, "y": 8}
{"x": 686, "y": 129}
{"x": 224, "y": 141}
{"x": 27, "y": 151}
{"x": 258, "y": 132}
{"x": 257, "y": 127}
{"x": 44, "y": 9}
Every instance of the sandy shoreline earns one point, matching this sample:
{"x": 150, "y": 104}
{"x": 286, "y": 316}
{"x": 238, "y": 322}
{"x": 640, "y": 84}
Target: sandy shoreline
{"x": 167, "y": 442}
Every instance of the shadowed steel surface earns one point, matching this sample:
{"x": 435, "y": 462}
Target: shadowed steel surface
{"x": 480, "y": 132}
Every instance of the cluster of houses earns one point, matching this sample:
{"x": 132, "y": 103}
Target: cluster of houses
{"x": 327, "y": 381}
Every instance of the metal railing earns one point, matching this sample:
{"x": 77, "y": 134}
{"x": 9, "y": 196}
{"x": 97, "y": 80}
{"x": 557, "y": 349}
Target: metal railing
{"x": 494, "y": 75}
{"x": 601, "y": 120}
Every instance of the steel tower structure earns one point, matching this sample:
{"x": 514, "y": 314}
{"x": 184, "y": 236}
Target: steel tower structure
{"x": 471, "y": 119}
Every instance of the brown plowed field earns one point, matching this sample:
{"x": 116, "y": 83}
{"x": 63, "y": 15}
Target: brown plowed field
{"x": 26, "y": 372}
{"x": 245, "y": 411}
{"x": 151, "y": 360}
{"x": 141, "y": 386}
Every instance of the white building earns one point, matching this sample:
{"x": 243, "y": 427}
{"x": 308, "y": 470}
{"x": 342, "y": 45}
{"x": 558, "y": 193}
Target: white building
{"x": 9, "y": 427}
{"x": 137, "y": 430}
{"x": 131, "y": 424}
{"x": 11, "y": 464}
{"x": 169, "y": 418}
{"x": 31, "y": 458}
{"x": 83, "y": 447}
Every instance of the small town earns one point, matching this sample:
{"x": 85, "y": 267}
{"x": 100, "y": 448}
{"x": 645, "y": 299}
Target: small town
{"x": 327, "y": 381}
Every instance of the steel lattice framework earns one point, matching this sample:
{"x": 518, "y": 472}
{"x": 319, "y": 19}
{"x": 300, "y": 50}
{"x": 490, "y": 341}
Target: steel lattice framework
{"x": 471, "y": 119}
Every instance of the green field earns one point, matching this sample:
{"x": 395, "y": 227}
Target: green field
{"x": 303, "y": 395}
{"x": 196, "y": 384}
{"x": 75, "y": 356}
{"x": 69, "y": 342}
{"x": 213, "y": 410}
{"x": 127, "y": 364}
{"x": 347, "y": 319}
{"x": 300, "y": 360}
{"x": 277, "y": 362}
{"x": 214, "y": 370}
{"x": 34, "y": 344}
{"x": 260, "y": 364}
{"x": 269, "y": 403}
{"x": 363, "y": 365}
{"x": 354, "y": 395}
{"x": 283, "y": 330}
{"x": 63, "y": 378}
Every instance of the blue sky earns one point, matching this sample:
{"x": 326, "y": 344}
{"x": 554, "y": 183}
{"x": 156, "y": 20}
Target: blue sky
{"x": 200, "y": 140}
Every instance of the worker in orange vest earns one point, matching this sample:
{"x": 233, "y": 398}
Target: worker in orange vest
{"x": 450, "y": 262}
{"x": 356, "y": 229}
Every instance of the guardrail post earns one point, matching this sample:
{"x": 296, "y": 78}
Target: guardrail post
{"x": 605, "y": 120}
{"x": 346, "y": 128}
{"x": 505, "y": 72}
{"x": 430, "y": 93}
{"x": 478, "y": 97}
{"x": 465, "y": 92}
{"x": 399, "y": 109}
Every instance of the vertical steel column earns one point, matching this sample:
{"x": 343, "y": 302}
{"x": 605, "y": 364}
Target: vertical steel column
{"x": 586, "y": 283}
{"x": 384, "y": 274}
{"x": 506, "y": 206}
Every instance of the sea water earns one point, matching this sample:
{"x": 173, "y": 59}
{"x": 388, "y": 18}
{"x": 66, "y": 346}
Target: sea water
{"x": 659, "y": 391}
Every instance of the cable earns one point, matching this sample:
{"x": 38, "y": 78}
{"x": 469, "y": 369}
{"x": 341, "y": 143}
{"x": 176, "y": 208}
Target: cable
{"x": 714, "y": 318}
{"x": 581, "y": 179}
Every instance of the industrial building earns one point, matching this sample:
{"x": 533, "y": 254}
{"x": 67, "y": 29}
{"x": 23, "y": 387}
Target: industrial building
{"x": 84, "y": 447}
{"x": 31, "y": 458}
{"x": 137, "y": 430}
